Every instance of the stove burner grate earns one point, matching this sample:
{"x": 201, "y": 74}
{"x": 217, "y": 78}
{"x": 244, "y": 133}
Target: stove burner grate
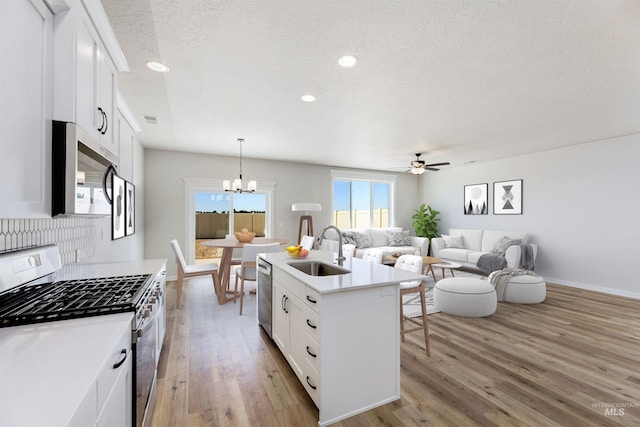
{"x": 71, "y": 299}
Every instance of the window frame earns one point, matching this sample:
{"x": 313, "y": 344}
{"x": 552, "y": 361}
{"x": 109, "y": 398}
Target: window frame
{"x": 372, "y": 178}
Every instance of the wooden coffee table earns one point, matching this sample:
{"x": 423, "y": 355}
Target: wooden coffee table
{"x": 447, "y": 264}
{"x": 429, "y": 262}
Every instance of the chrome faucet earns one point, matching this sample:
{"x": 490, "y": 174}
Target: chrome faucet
{"x": 340, "y": 255}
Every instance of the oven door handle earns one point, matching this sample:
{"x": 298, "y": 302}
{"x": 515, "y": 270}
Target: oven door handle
{"x": 149, "y": 322}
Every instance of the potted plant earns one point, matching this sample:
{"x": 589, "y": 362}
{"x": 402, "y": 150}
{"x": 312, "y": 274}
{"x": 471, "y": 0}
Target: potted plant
{"x": 425, "y": 222}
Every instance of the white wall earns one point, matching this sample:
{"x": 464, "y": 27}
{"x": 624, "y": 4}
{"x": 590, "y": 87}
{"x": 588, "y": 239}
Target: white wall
{"x": 164, "y": 195}
{"x": 580, "y": 205}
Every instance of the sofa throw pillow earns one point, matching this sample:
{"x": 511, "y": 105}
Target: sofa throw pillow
{"x": 399, "y": 238}
{"x": 347, "y": 238}
{"x": 502, "y": 244}
{"x": 453, "y": 242}
{"x": 361, "y": 240}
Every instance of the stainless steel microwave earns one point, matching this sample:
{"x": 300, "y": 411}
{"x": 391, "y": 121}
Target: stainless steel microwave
{"x": 81, "y": 170}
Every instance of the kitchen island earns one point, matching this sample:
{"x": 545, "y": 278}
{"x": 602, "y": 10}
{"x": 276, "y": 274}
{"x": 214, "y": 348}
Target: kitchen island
{"x": 340, "y": 333}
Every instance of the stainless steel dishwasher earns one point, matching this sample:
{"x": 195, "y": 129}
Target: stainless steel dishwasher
{"x": 265, "y": 291}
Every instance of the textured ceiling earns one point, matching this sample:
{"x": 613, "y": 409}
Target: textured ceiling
{"x": 457, "y": 80}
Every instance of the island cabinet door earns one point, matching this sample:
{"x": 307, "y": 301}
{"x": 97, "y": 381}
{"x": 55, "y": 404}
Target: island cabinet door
{"x": 297, "y": 336}
{"x": 280, "y": 329}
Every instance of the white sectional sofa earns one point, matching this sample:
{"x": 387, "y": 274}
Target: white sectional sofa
{"x": 390, "y": 240}
{"x": 465, "y": 246}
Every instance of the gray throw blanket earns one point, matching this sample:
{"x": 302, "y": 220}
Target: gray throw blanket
{"x": 500, "y": 279}
{"x": 526, "y": 257}
{"x": 491, "y": 262}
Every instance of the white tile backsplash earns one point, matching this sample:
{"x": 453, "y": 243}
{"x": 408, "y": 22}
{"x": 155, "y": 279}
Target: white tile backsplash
{"x": 75, "y": 236}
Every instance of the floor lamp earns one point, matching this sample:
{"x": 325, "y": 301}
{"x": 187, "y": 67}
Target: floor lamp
{"x": 305, "y": 218}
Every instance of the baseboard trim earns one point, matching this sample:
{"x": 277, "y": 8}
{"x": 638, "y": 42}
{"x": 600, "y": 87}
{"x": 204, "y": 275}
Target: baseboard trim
{"x": 604, "y": 290}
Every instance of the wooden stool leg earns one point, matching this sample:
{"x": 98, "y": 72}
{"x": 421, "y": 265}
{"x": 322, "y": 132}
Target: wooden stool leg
{"x": 425, "y": 324}
{"x": 451, "y": 270}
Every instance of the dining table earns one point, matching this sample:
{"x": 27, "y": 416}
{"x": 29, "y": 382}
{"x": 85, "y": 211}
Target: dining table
{"x": 228, "y": 245}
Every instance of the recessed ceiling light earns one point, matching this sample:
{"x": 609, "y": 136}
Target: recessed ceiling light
{"x": 348, "y": 61}
{"x": 156, "y": 66}
{"x": 308, "y": 98}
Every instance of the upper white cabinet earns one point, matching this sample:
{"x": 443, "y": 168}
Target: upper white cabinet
{"x": 126, "y": 128}
{"x": 26, "y": 31}
{"x": 86, "y": 61}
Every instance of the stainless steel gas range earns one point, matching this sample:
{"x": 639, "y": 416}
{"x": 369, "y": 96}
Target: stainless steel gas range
{"x": 35, "y": 288}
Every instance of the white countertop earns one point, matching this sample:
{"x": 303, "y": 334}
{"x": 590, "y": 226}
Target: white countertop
{"x": 362, "y": 273}
{"x": 46, "y": 369}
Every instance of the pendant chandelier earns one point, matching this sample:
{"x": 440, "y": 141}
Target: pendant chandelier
{"x": 237, "y": 183}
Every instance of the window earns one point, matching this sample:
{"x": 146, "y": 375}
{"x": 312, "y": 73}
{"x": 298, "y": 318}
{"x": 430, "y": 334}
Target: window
{"x": 212, "y": 214}
{"x": 362, "y": 200}
{"x": 197, "y": 190}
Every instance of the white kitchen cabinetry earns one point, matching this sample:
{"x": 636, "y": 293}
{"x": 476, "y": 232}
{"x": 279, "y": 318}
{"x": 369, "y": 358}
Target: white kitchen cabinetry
{"x": 116, "y": 410}
{"x": 288, "y": 326}
{"x": 26, "y": 33}
{"x": 126, "y": 139}
{"x": 109, "y": 399}
{"x": 344, "y": 346}
{"x": 85, "y": 76}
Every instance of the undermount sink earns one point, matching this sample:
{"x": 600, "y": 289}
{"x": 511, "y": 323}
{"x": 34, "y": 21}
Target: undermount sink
{"x": 315, "y": 268}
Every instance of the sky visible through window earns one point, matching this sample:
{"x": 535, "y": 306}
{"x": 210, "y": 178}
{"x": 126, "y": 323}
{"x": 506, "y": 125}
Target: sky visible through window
{"x": 361, "y": 195}
{"x": 252, "y": 202}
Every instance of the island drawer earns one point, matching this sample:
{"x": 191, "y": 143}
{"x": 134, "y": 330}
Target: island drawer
{"x": 312, "y": 299}
{"x": 313, "y": 352}
{"x": 312, "y": 323}
{"x": 311, "y": 383}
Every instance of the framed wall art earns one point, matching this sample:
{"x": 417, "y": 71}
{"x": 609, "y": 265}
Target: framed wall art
{"x": 475, "y": 199}
{"x": 507, "y": 197}
{"x": 130, "y": 208}
{"x": 117, "y": 207}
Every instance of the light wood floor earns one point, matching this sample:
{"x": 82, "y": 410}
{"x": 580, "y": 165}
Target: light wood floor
{"x": 565, "y": 362}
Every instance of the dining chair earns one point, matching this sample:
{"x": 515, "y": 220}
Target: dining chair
{"x": 247, "y": 270}
{"x": 413, "y": 263}
{"x": 191, "y": 270}
{"x": 307, "y": 242}
{"x": 372, "y": 255}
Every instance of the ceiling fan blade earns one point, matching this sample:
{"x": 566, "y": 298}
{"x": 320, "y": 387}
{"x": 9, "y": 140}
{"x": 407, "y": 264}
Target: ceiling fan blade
{"x": 429, "y": 168}
{"x": 439, "y": 164}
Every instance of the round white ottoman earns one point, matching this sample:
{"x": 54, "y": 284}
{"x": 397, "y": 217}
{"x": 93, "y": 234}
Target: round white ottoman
{"x": 465, "y": 296}
{"x": 525, "y": 289}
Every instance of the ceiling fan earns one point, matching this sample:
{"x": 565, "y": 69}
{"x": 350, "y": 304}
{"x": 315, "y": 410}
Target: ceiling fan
{"x": 418, "y": 166}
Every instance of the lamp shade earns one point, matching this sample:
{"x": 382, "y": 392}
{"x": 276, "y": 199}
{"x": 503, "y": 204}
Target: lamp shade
{"x": 306, "y": 207}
